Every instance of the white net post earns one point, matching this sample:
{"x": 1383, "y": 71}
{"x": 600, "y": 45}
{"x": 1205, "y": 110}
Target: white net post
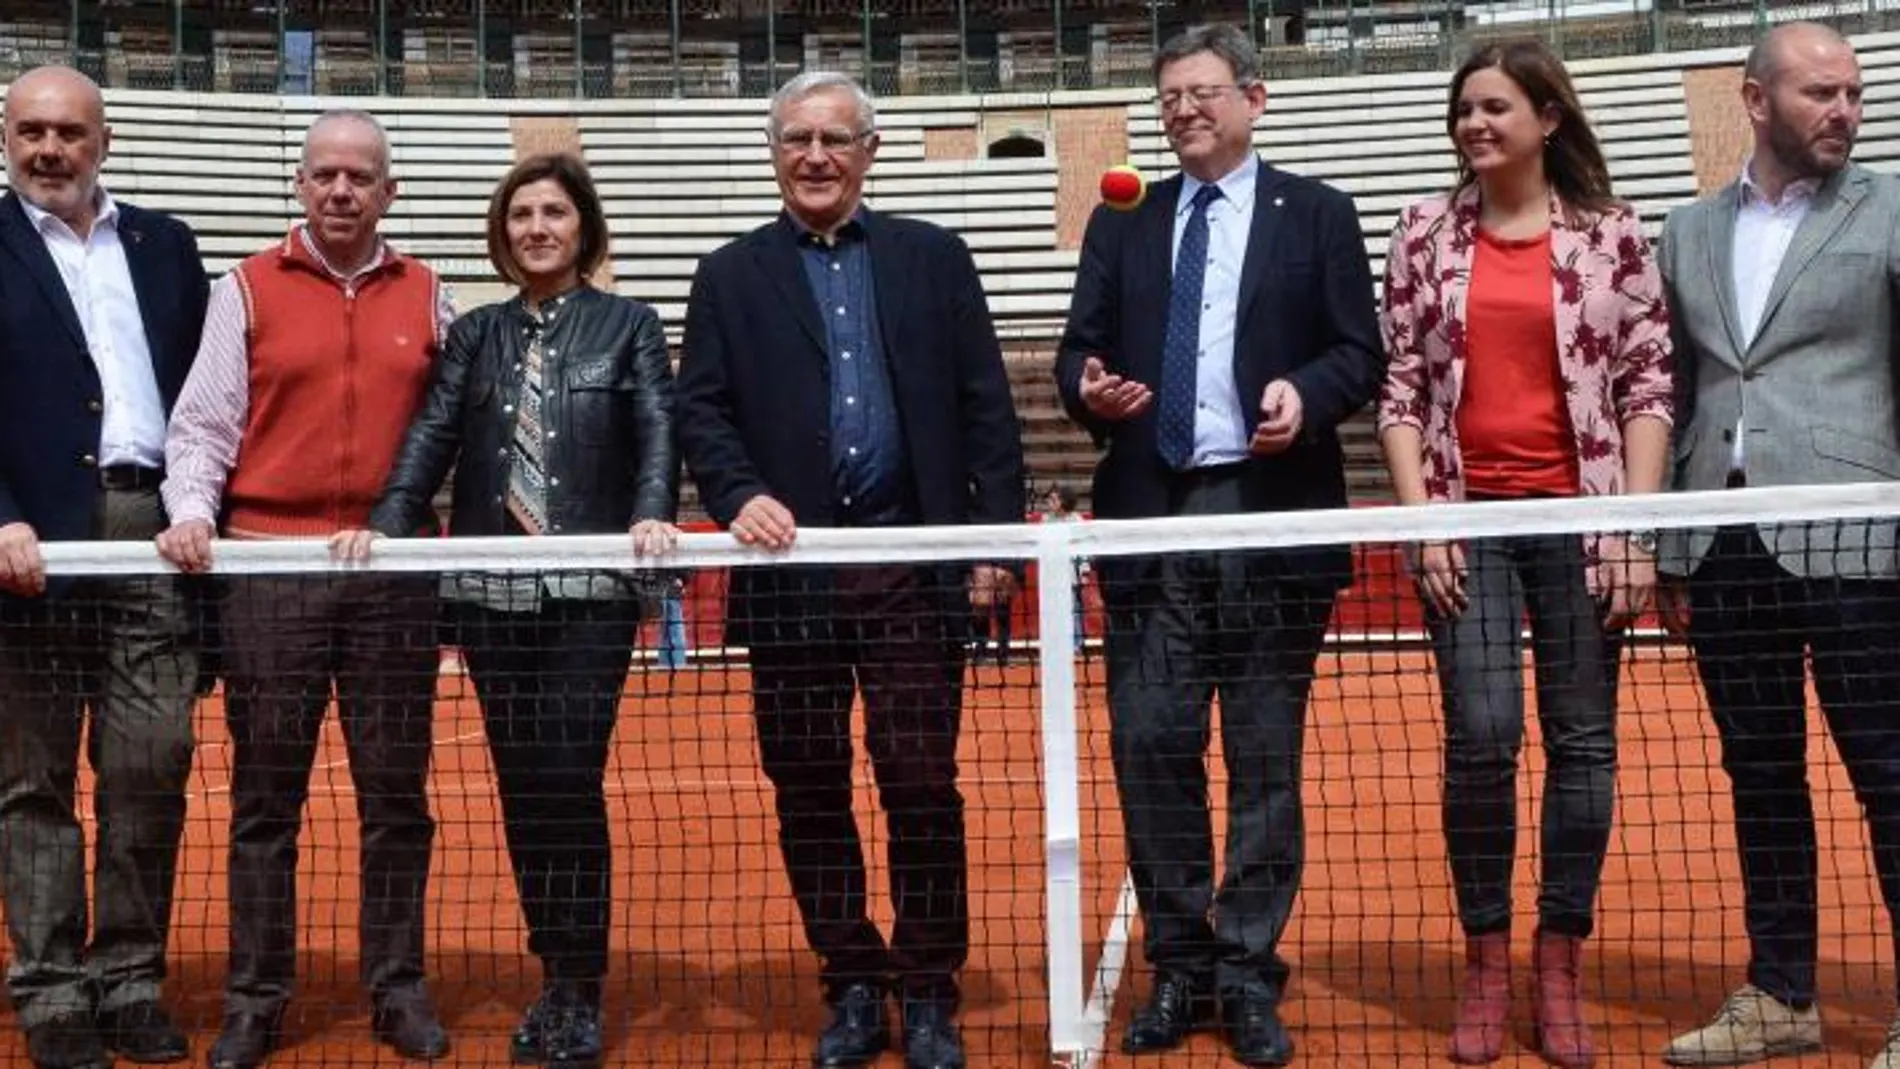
{"x": 1062, "y": 820}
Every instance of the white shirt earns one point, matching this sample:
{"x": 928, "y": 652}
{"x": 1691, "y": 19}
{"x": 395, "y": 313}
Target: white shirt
{"x": 1763, "y": 231}
{"x": 100, "y": 285}
{"x": 1221, "y": 426}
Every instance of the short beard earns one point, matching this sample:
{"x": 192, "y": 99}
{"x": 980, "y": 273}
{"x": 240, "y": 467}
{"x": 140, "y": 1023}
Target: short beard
{"x": 1796, "y": 154}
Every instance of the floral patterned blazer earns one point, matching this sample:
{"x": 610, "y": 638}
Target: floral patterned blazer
{"x": 1613, "y": 350}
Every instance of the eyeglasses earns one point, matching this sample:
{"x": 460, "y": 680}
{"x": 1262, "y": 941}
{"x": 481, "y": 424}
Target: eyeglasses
{"x": 833, "y": 140}
{"x": 1200, "y": 94}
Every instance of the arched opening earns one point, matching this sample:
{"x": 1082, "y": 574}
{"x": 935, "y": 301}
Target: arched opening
{"x": 1017, "y": 146}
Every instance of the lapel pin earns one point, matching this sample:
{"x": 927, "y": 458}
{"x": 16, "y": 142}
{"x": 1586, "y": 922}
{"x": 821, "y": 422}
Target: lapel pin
{"x": 1278, "y": 201}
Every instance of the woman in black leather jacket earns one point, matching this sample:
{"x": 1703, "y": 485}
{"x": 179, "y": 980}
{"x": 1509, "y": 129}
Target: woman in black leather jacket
{"x": 558, "y": 406}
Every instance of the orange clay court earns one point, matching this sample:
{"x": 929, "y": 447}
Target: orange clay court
{"x": 710, "y": 967}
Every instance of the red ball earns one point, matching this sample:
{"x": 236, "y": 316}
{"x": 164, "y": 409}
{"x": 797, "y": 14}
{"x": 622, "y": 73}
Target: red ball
{"x": 1123, "y": 187}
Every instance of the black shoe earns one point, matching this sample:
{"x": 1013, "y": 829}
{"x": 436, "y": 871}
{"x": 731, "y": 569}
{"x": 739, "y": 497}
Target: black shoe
{"x": 143, "y": 1032}
{"x": 246, "y": 1040}
{"x": 1254, "y": 1031}
{"x": 858, "y": 1031}
{"x": 410, "y": 1028}
{"x": 67, "y": 1041}
{"x": 1177, "y": 1005}
{"x": 930, "y": 1036}
{"x": 528, "y": 1046}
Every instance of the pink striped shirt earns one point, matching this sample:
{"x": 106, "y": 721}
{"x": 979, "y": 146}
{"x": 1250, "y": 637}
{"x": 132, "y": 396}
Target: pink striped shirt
{"x": 207, "y": 424}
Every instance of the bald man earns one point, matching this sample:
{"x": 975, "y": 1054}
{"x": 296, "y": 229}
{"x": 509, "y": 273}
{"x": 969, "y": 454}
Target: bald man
{"x": 1782, "y": 291}
{"x": 316, "y": 353}
{"x": 100, "y": 309}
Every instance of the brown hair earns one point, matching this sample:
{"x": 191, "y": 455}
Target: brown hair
{"x": 573, "y": 178}
{"x": 1573, "y": 161}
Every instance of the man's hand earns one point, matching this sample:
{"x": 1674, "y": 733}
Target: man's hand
{"x": 352, "y": 546}
{"x": 651, "y": 538}
{"x": 1112, "y": 397}
{"x": 1281, "y": 416}
{"x": 1623, "y": 582}
{"x": 187, "y": 545}
{"x": 765, "y": 523}
{"x": 22, "y": 569}
{"x": 990, "y": 585}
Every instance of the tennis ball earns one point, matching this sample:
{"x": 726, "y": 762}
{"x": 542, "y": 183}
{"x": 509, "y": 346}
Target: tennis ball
{"x": 1123, "y": 187}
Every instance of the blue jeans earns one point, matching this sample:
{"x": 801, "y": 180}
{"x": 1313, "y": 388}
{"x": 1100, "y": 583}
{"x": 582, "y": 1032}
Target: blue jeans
{"x": 673, "y": 647}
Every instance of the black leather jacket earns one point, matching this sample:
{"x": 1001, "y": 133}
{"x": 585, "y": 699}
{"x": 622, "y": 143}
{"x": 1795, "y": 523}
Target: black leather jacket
{"x": 608, "y": 405}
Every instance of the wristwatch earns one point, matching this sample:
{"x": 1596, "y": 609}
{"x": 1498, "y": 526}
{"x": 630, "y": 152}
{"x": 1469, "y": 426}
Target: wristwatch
{"x": 1645, "y": 541}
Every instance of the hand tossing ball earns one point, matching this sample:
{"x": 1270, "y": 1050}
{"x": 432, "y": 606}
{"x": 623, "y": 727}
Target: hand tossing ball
{"x": 1123, "y": 188}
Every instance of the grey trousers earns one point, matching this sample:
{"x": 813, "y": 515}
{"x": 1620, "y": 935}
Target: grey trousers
{"x": 1480, "y": 671}
{"x": 120, "y": 650}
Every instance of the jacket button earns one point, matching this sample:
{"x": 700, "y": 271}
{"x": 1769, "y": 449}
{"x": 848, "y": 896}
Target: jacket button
{"x": 88, "y": 461}
{"x": 498, "y": 499}
{"x": 95, "y": 406}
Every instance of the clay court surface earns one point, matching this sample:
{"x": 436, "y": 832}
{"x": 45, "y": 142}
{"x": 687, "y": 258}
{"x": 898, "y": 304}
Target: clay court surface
{"x": 710, "y": 968}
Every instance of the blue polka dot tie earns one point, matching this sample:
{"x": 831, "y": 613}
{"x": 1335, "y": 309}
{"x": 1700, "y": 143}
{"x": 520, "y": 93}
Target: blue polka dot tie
{"x": 1174, "y": 422}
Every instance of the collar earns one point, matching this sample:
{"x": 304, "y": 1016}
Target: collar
{"x": 852, "y": 230}
{"x": 108, "y": 212}
{"x": 1798, "y": 192}
{"x": 1236, "y": 186}
{"x": 300, "y": 247}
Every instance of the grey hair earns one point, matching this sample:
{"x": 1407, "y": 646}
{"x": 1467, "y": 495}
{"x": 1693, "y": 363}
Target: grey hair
{"x": 809, "y": 83}
{"x": 355, "y": 115}
{"x": 1228, "y": 42}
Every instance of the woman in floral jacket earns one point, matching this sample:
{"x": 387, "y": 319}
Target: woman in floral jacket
{"x": 1530, "y": 357}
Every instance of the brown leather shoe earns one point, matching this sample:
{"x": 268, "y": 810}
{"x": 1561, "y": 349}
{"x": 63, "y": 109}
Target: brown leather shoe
{"x": 1562, "y": 1034}
{"x": 1484, "y": 1006}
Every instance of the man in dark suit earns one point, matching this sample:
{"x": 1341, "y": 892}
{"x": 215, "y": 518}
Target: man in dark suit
{"x": 1217, "y": 389}
{"x": 841, "y": 370}
{"x": 100, "y": 308}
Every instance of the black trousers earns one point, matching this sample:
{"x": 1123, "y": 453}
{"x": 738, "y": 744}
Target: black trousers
{"x": 1196, "y": 626}
{"x": 886, "y": 636}
{"x": 1755, "y": 627}
{"x": 550, "y": 683}
{"x": 286, "y": 641}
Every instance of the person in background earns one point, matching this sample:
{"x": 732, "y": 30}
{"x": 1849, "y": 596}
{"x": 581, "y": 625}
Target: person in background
{"x": 101, "y": 304}
{"x": 315, "y": 356}
{"x": 1530, "y": 358}
{"x": 1059, "y": 507}
{"x": 555, "y": 411}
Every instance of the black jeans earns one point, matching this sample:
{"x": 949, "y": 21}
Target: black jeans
{"x": 1753, "y": 625}
{"x": 550, "y": 684}
{"x": 1480, "y": 671}
{"x": 286, "y": 641}
{"x": 888, "y": 638}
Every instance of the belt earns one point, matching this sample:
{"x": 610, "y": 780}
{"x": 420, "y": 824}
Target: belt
{"x": 1210, "y": 473}
{"x": 130, "y": 477}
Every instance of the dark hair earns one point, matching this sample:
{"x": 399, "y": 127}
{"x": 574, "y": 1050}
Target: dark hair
{"x": 1573, "y": 161}
{"x": 573, "y": 178}
{"x": 1229, "y": 43}
{"x": 1065, "y": 496}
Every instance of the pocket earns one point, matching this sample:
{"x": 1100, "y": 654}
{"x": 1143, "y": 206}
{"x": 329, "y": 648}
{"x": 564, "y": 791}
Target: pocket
{"x": 599, "y": 402}
{"x": 1871, "y": 456}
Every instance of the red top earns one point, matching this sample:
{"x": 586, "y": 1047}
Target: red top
{"x": 335, "y": 377}
{"x": 1513, "y": 429}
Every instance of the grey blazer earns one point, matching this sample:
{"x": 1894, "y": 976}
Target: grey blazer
{"x": 1817, "y": 384}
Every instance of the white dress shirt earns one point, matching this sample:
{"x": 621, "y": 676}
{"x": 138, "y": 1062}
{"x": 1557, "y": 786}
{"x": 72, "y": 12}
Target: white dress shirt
{"x": 100, "y": 285}
{"x": 1763, "y": 231}
{"x": 1221, "y": 426}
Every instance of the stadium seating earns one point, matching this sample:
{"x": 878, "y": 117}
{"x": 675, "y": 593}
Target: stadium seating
{"x": 681, "y": 177}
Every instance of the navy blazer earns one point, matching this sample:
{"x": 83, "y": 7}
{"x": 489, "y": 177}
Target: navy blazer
{"x": 754, "y": 389}
{"x": 50, "y": 392}
{"x": 1306, "y": 313}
